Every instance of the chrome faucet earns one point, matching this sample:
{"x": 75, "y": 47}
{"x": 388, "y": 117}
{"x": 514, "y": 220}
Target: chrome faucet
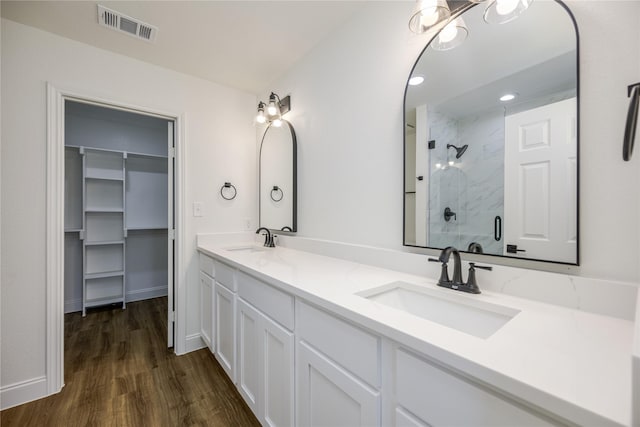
{"x": 456, "y": 283}
{"x": 268, "y": 237}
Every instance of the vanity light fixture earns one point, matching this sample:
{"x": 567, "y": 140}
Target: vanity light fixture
{"x": 416, "y": 80}
{"x": 451, "y": 36}
{"x": 274, "y": 110}
{"x": 428, "y": 13}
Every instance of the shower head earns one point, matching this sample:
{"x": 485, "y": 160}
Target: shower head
{"x": 459, "y": 151}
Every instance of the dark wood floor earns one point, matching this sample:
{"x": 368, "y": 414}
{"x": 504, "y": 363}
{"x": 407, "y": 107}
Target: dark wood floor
{"x": 118, "y": 372}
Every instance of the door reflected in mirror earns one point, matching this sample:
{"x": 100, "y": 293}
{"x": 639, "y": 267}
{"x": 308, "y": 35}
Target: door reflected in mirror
{"x": 278, "y": 178}
{"x": 491, "y": 140}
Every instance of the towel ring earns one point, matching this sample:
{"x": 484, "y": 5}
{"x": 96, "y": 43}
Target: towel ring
{"x": 228, "y": 185}
{"x": 277, "y": 189}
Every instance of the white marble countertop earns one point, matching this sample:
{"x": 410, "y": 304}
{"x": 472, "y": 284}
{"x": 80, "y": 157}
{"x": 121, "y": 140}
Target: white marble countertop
{"x": 574, "y": 364}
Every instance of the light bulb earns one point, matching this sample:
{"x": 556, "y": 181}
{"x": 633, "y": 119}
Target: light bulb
{"x": 277, "y": 123}
{"x": 449, "y": 32}
{"x": 416, "y": 80}
{"x": 260, "y": 118}
{"x": 505, "y": 7}
{"x": 271, "y": 109}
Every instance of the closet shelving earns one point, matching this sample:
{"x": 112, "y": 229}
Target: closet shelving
{"x": 104, "y": 232}
{"x": 113, "y": 196}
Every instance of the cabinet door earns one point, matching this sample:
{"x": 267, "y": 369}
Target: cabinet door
{"x": 206, "y": 310}
{"x": 277, "y": 375}
{"x": 249, "y": 354}
{"x": 225, "y": 336}
{"x": 265, "y": 366}
{"x": 440, "y": 398}
{"x": 327, "y": 395}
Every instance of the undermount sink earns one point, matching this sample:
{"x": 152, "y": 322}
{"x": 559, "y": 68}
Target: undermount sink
{"x": 245, "y": 249}
{"x": 477, "y": 318}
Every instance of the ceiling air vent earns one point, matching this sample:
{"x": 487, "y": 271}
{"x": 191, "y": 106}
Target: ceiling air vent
{"x": 126, "y": 24}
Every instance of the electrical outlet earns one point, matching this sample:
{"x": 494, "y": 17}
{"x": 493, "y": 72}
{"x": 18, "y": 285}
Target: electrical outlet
{"x": 197, "y": 208}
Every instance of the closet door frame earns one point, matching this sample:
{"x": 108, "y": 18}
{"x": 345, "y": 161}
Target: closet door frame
{"x": 56, "y": 97}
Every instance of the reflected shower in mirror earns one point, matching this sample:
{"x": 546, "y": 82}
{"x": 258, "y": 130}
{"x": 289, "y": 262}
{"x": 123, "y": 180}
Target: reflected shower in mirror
{"x": 491, "y": 139}
{"x": 278, "y": 178}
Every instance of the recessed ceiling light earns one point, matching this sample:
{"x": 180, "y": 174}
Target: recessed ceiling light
{"x": 416, "y": 80}
{"x": 508, "y": 97}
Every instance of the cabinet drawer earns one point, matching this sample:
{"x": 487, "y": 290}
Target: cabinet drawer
{"x": 224, "y": 275}
{"x": 206, "y": 264}
{"x": 442, "y": 398}
{"x": 274, "y": 303}
{"x": 348, "y": 345}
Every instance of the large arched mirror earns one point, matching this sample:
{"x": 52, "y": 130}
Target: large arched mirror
{"x": 491, "y": 175}
{"x": 278, "y": 178}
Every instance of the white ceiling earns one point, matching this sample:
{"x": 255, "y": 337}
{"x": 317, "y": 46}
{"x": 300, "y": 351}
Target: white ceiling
{"x": 242, "y": 44}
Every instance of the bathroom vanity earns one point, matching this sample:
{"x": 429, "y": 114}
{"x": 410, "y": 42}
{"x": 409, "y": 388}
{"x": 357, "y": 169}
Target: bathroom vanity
{"x": 316, "y": 340}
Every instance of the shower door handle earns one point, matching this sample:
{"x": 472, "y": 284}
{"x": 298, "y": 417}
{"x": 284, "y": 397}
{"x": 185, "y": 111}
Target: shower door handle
{"x": 497, "y": 228}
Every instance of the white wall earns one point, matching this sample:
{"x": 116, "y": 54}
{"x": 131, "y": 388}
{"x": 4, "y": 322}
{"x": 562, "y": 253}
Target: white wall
{"x": 220, "y": 146}
{"x": 347, "y": 101}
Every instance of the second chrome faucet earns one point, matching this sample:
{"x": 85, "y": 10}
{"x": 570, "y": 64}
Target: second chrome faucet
{"x": 456, "y": 282}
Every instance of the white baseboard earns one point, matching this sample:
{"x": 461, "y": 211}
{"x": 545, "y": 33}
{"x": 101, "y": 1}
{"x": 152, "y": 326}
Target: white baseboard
{"x": 146, "y": 293}
{"x": 25, "y": 391}
{"x": 193, "y": 343}
{"x": 73, "y": 305}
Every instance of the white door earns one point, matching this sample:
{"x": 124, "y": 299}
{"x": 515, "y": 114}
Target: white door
{"x": 249, "y": 355}
{"x": 170, "y": 234}
{"x": 277, "y": 375}
{"x": 206, "y": 309}
{"x": 540, "y": 183}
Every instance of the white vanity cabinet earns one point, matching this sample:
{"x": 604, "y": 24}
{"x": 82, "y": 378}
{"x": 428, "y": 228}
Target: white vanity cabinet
{"x": 337, "y": 371}
{"x": 265, "y": 350}
{"x": 224, "y": 314}
{"x": 428, "y": 395}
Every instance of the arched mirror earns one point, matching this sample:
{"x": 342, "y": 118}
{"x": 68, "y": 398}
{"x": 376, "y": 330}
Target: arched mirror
{"x": 491, "y": 139}
{"x": 278, "y": 178}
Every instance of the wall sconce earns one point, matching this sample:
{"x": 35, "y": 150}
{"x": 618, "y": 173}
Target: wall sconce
{"x": 273, "y": 111}
{"x": 429, "y": 13}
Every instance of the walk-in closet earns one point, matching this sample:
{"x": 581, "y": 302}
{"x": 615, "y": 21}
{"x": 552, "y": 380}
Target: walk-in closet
{"x": 118, "y": 206}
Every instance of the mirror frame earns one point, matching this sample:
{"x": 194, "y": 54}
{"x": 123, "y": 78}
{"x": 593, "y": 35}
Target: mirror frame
{"x": 294, "y": 184}
{"x": 456, "y": 12}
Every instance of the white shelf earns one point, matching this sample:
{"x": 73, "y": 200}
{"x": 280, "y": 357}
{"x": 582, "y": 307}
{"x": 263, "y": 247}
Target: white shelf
{"x": 145, "y": 228}
{"x": 129, "y": 153}
{"x": 104, "y": 275}
{"x": 105, "y": 243}
{"x": 103, "y": 165}
{"x": 106, "y": 178}
{"x": 104, "y": 210}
